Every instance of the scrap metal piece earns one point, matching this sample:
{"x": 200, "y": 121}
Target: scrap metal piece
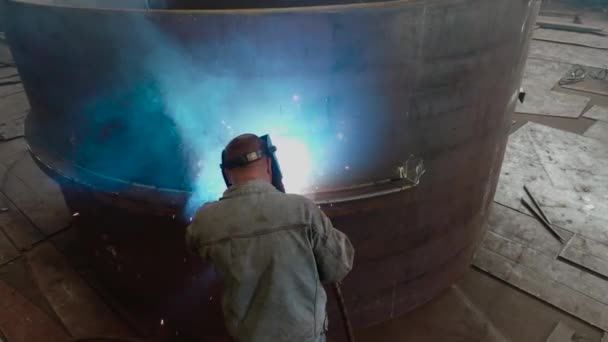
{"x": 540, "y": 218}
{"x": 537, "y": 205}
{"x": 409, "y": 175}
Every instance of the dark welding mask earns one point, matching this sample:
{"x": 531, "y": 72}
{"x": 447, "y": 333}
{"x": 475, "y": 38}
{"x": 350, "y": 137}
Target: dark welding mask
{"x": 268, "y": 150}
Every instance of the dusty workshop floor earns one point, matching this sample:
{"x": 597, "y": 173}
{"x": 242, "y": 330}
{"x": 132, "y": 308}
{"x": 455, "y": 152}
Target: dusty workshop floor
{"x": 60, "y": 300}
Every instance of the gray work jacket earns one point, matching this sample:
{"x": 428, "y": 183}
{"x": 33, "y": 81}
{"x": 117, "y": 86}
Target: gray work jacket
{"x": 273, "y": 251}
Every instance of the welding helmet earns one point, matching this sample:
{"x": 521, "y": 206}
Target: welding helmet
{"x": 267, "y": 150}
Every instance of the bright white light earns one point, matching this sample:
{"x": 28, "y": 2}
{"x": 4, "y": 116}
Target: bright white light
{"x": 296, "y": 165}
{"x": 295, "y": 98}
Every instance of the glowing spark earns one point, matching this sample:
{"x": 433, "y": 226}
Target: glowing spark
{"x": 347, "y": 167}
{"x": 295, "y": 161}
{"x": 76, "y": 214}
{"x": 162, "y": 321}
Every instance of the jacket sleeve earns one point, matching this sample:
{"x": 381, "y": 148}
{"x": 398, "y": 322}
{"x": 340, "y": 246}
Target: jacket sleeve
{"x": 193, "y": 238}
{"x": 192, "y": 244}
{"x": 332, "y": 249}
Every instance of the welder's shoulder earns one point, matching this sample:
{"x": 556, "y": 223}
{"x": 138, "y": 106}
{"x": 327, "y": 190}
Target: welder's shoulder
{"x": 301, "y": 202}
{"x": 206, "y": 212}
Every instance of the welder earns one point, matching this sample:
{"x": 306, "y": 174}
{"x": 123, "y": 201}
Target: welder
{"x": 273, "y": 250}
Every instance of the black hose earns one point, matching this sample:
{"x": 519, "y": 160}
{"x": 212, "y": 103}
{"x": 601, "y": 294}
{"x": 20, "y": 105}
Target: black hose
{"x": 342, "y": 306}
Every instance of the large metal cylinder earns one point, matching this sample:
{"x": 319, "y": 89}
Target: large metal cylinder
{"x": 132, "y": 102}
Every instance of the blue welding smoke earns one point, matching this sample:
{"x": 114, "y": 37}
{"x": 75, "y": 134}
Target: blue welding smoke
{"x": 208, "y": 107}
{"x": 165, "y": 106}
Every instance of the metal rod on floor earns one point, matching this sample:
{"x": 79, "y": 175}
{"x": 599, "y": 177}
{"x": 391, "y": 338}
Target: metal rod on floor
{"x": 537, "y": 205}
{"x": 347, "y": 326}
{"x": 540, "y": 218}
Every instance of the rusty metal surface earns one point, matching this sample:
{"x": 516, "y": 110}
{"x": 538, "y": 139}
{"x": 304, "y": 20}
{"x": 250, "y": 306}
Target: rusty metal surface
{"x": 373, "y": 82}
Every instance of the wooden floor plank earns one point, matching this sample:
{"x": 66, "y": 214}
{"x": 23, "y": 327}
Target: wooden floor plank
{"x": 587, "y": 253}
{"x": 546, "y": 289}
{"x": 556, "y": 270}
{"x": 21, "y": 321}
{"x": 77, "y": 305}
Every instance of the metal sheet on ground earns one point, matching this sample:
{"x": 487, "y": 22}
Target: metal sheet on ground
{"x": 17, "y": 227}
{"x": 566, "y": 172}
{"x": 12, "y": 128}
{"x": 11, "y": 89}
{"x": 12, "y": 106}
{"x": 554, "y": 269}
{"x": 525, "y": 229}
{"x": 561, "y": 333}
{"x": 23, "y": 166}
{"x": 547, "y": 102}
{"x": 594, "y": 82}
{"x": 575, "y": 38}
{"x": 540, "y": 74}
{"x": 598, "y": 130}
{"x": 77, "y": 305}
{"x": 587, "y": 253}
{"x": 597, "y": 113}
{"x": 22, "y": 321}
{"x": 8, "y": 73}
{"x": 48, "y": 213}
{"x": 552, "y": 292}
{"x": 11, "y": 150}
{"x": 567, "y": 53}
{"x": 8, "y": 252}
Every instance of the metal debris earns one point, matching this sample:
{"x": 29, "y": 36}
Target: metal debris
{"x": 540, "y": 218}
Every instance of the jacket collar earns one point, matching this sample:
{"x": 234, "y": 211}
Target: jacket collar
{"x": 251, "y": 187}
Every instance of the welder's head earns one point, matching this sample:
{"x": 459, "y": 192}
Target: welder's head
{"x": 236, "y": 156}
